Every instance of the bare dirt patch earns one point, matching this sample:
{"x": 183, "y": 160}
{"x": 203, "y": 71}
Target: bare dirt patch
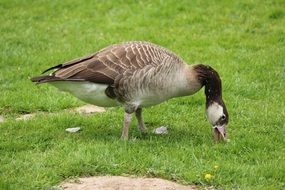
{"x": 88, "y": 109}
{"x": 123, "y": 183}
{"x": 25, "y": 117}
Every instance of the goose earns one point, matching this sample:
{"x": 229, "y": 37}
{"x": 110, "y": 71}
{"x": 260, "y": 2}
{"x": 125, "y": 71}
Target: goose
{"x": 136, "y": 75}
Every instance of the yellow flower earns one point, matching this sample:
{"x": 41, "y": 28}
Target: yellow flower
{"x": 208, "y": 177}
{"x": 216, "y": 166}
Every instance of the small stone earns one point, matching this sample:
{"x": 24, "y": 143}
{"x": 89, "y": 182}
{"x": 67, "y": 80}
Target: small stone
{"x": 73, "y": 130}
{"x": 88, "y": 109}
{"x": 160, "y": 130}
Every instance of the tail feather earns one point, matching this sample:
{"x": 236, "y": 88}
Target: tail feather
{"x": 44, "y": 78}
{"x": 50, "y": 78}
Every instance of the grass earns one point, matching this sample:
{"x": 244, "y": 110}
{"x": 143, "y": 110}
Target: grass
{"x": 244, "y": 41}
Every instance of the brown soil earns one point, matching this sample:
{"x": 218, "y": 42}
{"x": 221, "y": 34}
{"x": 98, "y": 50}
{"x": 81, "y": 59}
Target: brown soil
{"x": 26, "y": 116}
{"x": 88, "y": 109}
{"x": 123, "y": 183}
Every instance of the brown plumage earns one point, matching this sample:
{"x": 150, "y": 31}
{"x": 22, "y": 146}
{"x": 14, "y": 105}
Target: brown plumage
{"x": 132, "y": 74}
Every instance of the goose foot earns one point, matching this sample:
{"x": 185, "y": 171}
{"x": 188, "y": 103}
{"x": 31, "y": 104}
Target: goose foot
{"x": 143, "y": 129}
{"x": 141, "y": 124}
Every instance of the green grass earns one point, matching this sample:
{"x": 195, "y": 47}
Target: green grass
{"x": 244, "y": 41}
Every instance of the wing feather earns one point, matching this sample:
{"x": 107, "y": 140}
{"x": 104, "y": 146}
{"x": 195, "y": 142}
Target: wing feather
{"x": 113, "y": 62}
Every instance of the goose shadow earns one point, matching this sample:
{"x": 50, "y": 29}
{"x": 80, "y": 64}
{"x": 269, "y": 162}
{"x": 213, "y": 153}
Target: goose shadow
{"x": 106, "y": 133}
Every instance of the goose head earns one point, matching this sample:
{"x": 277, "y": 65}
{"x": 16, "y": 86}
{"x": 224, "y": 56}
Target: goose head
{"x": 216, "y": 110}
{"x": 218, "y": 117}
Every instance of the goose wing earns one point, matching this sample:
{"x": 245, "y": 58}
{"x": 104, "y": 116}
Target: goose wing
{"x": 111, "y": 62}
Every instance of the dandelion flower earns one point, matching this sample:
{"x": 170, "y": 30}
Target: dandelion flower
{"x": 208, "y": 177}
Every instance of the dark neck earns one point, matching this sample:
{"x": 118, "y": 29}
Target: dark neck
{"x": 209, "y": 78}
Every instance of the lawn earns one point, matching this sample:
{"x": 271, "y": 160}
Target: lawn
{"x": 243, "y": 40}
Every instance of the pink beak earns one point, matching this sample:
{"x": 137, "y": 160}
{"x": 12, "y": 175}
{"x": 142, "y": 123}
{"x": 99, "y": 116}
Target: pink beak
{"x": 220, "y": 133}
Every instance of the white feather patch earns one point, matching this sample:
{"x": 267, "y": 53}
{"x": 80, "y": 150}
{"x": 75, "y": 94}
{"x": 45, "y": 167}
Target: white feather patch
{"x": 92, "y": 93}
{"x": 214, "y": 112}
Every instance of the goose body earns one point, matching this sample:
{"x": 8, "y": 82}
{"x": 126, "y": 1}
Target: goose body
{"x": 134, "y": 75}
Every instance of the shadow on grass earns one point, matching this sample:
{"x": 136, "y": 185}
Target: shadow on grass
{"x": 44, "y": 132}
{"x": 174, "y": 135}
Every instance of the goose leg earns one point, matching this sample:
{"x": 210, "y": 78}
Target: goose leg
{"x": 127, "y": 121}
{"x": 142, "y": 127}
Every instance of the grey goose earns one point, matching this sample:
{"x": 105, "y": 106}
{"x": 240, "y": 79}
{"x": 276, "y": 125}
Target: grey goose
{"x": 136, "y": 75}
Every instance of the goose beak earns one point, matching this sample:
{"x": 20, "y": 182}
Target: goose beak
{"x": 220, "y": 133}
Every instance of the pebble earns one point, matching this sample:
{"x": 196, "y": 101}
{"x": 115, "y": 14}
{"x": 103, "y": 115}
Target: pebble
{"x": 73, "y": 130}
{"x": 160, "y": 130}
